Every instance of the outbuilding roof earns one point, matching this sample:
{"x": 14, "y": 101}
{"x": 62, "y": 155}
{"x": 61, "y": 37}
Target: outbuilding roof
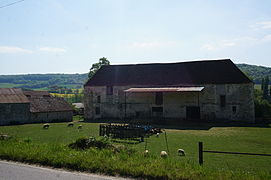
{"x": 170, "y": 74}
{"x": 12, "y": 95}
{"x": 49, "y": 104}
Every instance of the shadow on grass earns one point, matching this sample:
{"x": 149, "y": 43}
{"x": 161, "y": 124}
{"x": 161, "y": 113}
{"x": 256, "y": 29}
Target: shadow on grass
{"x": 185, "y": 124}
{"x": 196, "y": 125}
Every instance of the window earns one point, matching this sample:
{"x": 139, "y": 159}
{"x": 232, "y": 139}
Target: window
{"x": 222, "y": 101}
{"x": 234, "y": 109}
{"x": 109, "y": 90}
{"x": 98, "y": 99}
{"x": 158, "y": 98}
{"x": 97, "y": 111}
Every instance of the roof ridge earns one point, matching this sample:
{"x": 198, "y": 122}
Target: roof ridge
{"x": 165, "y": 63}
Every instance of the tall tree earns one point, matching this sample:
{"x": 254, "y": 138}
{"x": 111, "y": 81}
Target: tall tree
{"x": 265, "y": 88}
{"x": 262, "y": 85}
{"x": 96, "y": 66}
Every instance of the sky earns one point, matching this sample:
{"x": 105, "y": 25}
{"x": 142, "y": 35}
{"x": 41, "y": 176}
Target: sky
{"x": 68, "y": 36}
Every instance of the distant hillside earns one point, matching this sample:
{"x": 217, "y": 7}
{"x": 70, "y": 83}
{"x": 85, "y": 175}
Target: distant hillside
{"x": 76, "y": 81}
{"x": 255, "y": 72}
{"x": 43, "y": 81}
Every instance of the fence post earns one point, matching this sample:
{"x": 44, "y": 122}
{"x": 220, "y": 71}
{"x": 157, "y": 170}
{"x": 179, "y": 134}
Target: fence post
{"x": 200, "y": 153}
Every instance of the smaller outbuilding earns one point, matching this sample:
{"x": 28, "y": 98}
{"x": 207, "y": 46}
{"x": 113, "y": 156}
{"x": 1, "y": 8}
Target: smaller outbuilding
{"x": 46, "y": 108}
{"x": 14, "y": 106}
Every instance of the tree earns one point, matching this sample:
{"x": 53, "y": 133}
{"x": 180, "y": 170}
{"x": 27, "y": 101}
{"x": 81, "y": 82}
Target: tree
{"x": 262, "y": 85}
{"x": 265, "y": 88}
{"x": 96, "y": 66}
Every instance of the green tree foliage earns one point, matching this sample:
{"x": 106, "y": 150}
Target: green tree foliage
{"x": 265, "y": 88}
{"x": 256, "y": 72}
{"x": 96, "y": 66}
{"x": 262, "y": 84}
{"x": 262, "y": 106}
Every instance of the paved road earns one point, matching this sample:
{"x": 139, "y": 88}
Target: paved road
{"x": 18, "y": 171}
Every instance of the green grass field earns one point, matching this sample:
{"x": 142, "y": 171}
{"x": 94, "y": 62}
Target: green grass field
{"x": 237, "y": 139}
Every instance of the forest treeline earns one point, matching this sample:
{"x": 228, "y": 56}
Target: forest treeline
{"x": 44, "y": 81}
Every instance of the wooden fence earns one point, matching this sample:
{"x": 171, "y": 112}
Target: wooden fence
{"x": 122, "y": 131}
{"x": 201, "y": 151}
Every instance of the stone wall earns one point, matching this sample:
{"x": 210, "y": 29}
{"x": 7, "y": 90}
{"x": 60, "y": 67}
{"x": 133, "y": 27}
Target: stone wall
{"x": 14, "y": 113}
{"x": 239, "y": 103}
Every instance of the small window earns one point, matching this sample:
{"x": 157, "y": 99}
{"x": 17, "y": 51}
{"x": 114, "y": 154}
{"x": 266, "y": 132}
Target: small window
{"x": 109, "y": 90}
{"x": 234, "y": 109}
{"x": 158, "y": 98}
{"x": 97, "y": 111}
{"x": 222, "y": 101}
{"x": 98, "y": 99}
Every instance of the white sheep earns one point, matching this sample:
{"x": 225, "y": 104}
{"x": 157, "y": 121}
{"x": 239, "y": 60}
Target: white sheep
{"x": 163, "y": 154}
{"x": 157, "y": 134}
{"x": 181, "y": 152}
{"x": 146, "y": 152}
{"x": 70, "y": 124}
{"x": 46, "y": 126}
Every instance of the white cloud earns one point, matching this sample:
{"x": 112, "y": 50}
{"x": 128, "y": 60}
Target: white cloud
{"x": 264, "y": 25}
{"x": 228, "y": 43}
{"x": 219, "y": 45}
{"x": 53, "y": 50}
{"x": 222, "y": 44}
{"x": 266, "y": 38}
{"x": 13, "y": 50}
{"x": 209, "y": 47}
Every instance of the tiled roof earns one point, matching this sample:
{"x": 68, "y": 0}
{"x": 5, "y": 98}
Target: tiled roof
{"x": 12, "y": 95}
{"x": 170, "y": 74}
{"x": 49, "y": 104}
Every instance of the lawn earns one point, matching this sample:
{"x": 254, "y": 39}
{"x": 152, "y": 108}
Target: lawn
{"x": 224, "y": 138}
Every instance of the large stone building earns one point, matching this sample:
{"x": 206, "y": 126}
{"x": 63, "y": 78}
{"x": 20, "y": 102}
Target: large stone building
{"x": 14, "y": 106}
{"x": 19, "y": 107}
{"x": 214, "y": 90}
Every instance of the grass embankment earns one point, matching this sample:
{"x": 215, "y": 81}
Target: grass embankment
{"x": 31, "y": 143}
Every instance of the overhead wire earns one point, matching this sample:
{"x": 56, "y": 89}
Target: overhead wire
{"x": 10, "y": 4}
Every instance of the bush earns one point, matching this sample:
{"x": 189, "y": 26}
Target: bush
{"x": 85, "y": 143}
{"x": 262, "y": 108}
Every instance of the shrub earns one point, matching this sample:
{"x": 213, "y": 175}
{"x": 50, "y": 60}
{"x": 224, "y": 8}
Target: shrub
{"x": 262, "y": 108}
{"x": 85, "y": 143}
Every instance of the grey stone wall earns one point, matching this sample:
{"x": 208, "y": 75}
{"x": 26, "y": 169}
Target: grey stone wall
{"x": 239, "y": 103}
{"x": 12, "y": 113}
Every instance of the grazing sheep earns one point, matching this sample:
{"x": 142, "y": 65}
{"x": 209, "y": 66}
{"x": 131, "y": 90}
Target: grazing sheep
{"x": 70, "y": 124}
{"x": 181, "y": 152}
{"x": 157, "y": 134}
{"x": 46, "y": 126}
{"x": 146, "y": 152}
{"x": 80, "y": 127}
{"x": 163, "y": 154}
{"x": 4, "y": 137}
